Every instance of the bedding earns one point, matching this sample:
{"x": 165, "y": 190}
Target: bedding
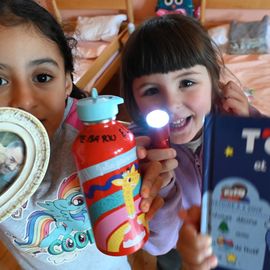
{"x": 83, "y": 64}
{"x": 246, "y": 64}
{"x": 252, "y": 73}
{"x": 93, "y": 35}
{"x": 100, "y": 28}
{"x": 244, "y": 34}
{"x": 248, "y": 37}
{"x": 89, "y": 49}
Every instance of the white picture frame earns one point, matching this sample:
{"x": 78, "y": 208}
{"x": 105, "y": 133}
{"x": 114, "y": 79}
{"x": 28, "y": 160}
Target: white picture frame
{"x": 16, "y": 124}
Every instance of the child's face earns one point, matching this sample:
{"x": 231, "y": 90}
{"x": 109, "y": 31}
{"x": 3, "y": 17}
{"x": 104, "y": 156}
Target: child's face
{"x": 185, "y": 94}
{"x": 32, "y": 75}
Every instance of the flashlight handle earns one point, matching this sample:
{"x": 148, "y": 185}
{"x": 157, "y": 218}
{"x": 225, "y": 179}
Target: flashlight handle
{"x": 160, "y": 144}
{"x": 160, "y": 137}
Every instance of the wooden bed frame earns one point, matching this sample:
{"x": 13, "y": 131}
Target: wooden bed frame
{"x": 117, "y": 6}
{"x": 232, "y": 4}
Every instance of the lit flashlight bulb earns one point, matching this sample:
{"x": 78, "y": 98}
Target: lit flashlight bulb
{"x": 158, "y": 120}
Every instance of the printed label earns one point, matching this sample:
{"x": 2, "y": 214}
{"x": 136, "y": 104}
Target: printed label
{"x": 240, "y": 225}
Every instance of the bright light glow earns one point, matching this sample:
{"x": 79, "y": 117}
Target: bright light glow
{"x": 157, "y": 119}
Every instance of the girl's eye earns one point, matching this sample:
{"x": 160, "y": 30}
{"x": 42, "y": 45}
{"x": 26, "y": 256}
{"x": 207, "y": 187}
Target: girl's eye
{"x": 168, "y": 2}
{"x": 186, "y": 83}
{"x": 42, "y": 78}
{"x": 150, "y": 91}
{"x": 178, "y": 2}
{"x": 3, "y": 82}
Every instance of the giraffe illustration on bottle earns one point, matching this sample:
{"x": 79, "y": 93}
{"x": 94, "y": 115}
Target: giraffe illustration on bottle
{"x": 135, "y": 232}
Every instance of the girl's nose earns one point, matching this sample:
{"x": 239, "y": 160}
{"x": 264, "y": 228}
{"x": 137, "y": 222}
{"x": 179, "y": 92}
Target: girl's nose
{"x": 172, "y": 101}
{"x": 23, "y": 97}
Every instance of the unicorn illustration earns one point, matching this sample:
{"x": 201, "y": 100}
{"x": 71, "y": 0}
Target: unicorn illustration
{"x": 62, "y": 223}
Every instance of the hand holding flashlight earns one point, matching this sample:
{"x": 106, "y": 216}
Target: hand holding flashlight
{"x": 158, "y": 120}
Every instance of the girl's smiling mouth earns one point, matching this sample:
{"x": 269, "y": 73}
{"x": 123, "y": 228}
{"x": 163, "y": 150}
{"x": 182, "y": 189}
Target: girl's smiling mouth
{"x": 180, "y": 123}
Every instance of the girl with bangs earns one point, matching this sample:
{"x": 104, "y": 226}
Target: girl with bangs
{"x": 170, "y": 63}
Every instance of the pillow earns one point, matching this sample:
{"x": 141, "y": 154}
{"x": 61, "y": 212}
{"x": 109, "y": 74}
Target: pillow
{"x": 248, "y": 37}
{"x": 89, "y": 49}
{"x": 219, "y": 35}
{"x": 99, "y": 27}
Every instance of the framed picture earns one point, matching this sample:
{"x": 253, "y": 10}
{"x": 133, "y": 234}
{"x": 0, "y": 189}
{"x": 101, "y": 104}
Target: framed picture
{"x": 24, "y": 158}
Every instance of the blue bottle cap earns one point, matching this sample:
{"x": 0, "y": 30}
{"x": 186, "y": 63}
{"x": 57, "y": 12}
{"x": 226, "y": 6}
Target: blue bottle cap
{"x": 98, "y": 107}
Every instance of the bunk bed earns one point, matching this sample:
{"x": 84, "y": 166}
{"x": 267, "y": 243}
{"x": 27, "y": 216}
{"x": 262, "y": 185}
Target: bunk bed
{"x": 241, "y": 30}
{"x": 101, "y": 29}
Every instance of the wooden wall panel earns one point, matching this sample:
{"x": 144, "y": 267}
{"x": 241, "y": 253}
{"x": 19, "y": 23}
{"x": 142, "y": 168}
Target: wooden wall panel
{"x": 242, "y": 4}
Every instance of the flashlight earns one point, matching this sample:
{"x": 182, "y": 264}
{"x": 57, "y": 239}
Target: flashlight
{"x": 158, "y": 120}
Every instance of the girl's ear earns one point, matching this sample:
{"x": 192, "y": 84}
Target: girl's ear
{"x": 69, "y": 85}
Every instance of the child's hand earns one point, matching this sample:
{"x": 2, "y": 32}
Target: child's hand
{"x": 167, "y": 159}
{"x": 156, "y": 174}
{"x": 195, "y": 249}
{"x": 151, "y": 181}
{"x": 165, "y": 156}
{"x": 234, "y": 99}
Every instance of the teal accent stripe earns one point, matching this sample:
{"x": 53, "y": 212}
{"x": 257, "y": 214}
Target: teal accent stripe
{"x": 107, "y": 165}
{"x": 110, "y": 202}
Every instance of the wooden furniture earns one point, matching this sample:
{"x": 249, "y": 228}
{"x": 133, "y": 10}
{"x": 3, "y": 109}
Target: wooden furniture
{"x": 231, "y": 4}
{"x": 115, "y": 46}
{"x": 7, "y": 261}
{"x": 247, "y": 4}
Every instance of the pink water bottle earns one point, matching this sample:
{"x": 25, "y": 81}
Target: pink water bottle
{"x": 105, "y": 155}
